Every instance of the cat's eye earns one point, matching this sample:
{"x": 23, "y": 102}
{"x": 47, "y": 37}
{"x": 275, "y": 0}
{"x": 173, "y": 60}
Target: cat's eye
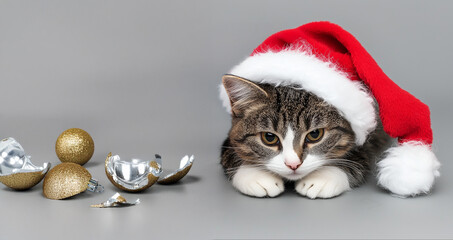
{"x": 314, "y": 136}
{"x": 269, "y": 139}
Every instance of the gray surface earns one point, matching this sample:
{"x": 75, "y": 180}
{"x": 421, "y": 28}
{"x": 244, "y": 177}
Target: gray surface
{"x": 141, "y": 77}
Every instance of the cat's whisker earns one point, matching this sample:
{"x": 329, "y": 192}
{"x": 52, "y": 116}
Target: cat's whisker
{"x": 346, "y": 162}
{"x": 355, "y": 166}
{"x": 230, "y": 147}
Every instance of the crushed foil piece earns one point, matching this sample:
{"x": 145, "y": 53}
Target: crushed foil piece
{"x": 116, "y": 201}
{"x": 184, "y": 167}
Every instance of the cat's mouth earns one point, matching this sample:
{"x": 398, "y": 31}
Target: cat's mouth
{"x": 294, "y": 175}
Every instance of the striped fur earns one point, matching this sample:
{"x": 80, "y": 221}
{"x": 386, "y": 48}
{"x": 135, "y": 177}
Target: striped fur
{"x": 260, "y": 108}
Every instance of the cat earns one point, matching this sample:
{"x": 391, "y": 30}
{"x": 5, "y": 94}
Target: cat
{"x": 284, "y": 133}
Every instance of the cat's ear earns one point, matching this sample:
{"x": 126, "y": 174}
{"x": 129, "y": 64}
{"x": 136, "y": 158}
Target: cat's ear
{"x": 242, "y": 92}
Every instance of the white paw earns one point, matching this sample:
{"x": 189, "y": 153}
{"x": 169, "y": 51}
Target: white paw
{"x": 326, "y": 182}
{"x": 258, "y": 183}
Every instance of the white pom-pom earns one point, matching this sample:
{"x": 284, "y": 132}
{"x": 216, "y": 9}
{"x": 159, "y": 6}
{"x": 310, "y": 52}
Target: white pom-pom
{"x": 408, "y": 169}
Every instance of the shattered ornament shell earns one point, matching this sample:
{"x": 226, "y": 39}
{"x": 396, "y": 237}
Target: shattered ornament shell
{"x": 184, "y": 167}
{"x": 132, "y": 176}
{"x": 16, "y": 169}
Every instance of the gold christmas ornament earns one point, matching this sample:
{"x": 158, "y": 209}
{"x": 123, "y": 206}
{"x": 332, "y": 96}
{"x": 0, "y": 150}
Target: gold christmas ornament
{"x": 74, "y": 145}
{"x": 132, "y": 176}
{"x": 16, "y": 169}
{"x": 68, "y": 179}
{"x": 184, "y": 167}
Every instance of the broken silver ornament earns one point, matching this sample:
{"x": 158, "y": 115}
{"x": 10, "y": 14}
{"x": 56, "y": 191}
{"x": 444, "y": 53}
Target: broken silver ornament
{"x": 16, "y": 169}
{"x": 135, "y": 175}
{"x": 116, "y": 201}
{"x": 184, "y": 167}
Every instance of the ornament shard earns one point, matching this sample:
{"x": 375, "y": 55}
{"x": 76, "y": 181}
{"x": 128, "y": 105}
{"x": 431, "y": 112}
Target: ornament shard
{"x": 16, "y": 169}
{"x": 116, "y": 201}
{"x": 184, "y": 167}
{"x": 135, "y": 175}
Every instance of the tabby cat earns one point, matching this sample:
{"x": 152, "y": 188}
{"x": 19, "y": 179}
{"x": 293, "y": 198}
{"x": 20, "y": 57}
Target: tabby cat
{"x": 285, "y": 133}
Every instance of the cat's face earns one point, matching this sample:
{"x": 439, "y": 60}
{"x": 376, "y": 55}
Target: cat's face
{"x": 285, "y": 130}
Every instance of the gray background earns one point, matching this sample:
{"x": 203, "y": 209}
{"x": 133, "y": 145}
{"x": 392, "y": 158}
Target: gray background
{"x": 141, "y": 77}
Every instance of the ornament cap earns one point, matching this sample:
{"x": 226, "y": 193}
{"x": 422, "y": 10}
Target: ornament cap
{"x": 94, "y": 186}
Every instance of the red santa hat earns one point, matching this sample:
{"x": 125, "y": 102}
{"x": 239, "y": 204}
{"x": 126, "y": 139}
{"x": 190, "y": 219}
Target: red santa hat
{"x": 328, "y": 61}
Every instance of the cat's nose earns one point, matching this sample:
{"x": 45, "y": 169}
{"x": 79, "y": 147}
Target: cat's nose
{"x": 293, "y": 165}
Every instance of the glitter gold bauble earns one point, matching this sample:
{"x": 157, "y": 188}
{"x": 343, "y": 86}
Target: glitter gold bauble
{"x": 66, "y": 180}
{"x": 74, "y": 145}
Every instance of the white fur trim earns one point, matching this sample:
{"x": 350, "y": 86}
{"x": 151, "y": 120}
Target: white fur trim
{"x": 408, "y": 169}
{"x": 300, "y": 68}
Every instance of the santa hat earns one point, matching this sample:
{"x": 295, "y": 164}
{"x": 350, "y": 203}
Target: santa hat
{"x": 329, "y": 62}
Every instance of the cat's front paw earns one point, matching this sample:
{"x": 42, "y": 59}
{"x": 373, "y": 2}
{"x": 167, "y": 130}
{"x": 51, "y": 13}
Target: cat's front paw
{"x": 326, "y": 182}
{"x": 258, "y": 183}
